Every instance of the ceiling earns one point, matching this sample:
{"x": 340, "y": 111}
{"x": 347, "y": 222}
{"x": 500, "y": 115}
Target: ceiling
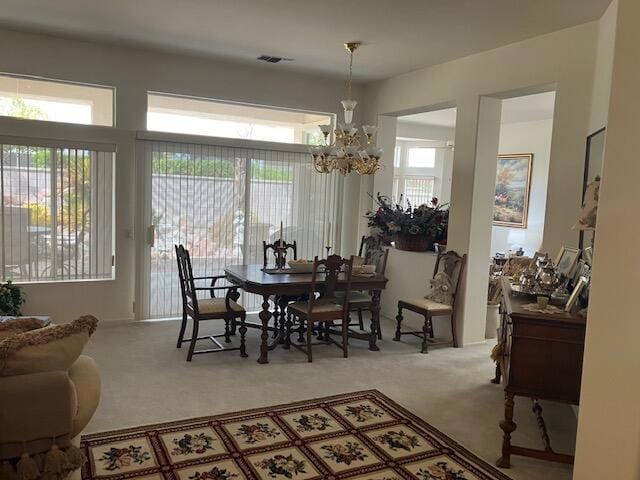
{"x": 398, "y": 36}
{"x": 528, "y": 108}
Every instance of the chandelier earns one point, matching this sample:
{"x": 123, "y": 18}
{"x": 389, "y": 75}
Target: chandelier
{"x": 351, "y": 151}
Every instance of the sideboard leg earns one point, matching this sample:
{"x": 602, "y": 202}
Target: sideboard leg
{"x": 508, "y": 427}
{"x": 498, "y": 378}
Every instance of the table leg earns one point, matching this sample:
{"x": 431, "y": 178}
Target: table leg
{"x": 265, "y": 316}
{"x": 508, "y": 427}
{"x": 375, "y": 320}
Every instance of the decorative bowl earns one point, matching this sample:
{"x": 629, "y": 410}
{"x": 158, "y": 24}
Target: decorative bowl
{"x": 301, "y": 265}
{"x": 364, "y": 269}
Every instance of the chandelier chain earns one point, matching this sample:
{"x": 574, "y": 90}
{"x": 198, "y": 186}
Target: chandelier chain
{"x": 350, "y": 74}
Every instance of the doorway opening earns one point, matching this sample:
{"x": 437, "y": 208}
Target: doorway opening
{"x": 522, "y": 174}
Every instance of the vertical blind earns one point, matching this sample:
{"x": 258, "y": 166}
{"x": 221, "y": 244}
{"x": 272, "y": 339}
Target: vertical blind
{"x": 221, "y": 202}
{"x": 57, "y": 212}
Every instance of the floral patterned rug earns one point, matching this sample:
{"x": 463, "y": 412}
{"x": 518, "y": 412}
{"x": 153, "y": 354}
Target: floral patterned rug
{"x": 361, "y": 435}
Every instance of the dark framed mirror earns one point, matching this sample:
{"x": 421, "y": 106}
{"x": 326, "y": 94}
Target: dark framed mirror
{"x": 594, "y": 156}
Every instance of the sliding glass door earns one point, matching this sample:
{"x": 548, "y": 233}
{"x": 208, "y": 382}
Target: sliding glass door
{"x": 221, "y": 201}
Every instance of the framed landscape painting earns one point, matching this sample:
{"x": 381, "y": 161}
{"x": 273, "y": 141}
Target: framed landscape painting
{"x": 513, "y": 180}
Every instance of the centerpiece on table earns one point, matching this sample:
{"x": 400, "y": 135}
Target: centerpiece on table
{"x": 415, "y": 229}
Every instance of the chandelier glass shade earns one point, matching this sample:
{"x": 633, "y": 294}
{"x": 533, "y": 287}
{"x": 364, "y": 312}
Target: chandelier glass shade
{"x": 353, "y": 149}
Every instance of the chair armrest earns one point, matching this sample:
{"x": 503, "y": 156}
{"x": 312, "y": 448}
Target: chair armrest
{"x": 34, "y": 409}
{"x": 85, "y": 376}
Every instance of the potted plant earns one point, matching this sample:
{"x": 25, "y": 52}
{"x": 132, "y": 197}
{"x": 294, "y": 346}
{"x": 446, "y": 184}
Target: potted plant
{"x": 412, "y": 228}
{"x": 11, "y": 299}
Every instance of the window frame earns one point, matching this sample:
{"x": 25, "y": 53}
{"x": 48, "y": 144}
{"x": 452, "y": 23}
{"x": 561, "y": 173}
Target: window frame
{"x": 59, "y": 144}
{"x": 331, "y": 117}
{"x": 404, "y": 172}
{"x": 39, "y": 78}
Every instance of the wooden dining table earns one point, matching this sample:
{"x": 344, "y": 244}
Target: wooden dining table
{"x": 252, "y": 279}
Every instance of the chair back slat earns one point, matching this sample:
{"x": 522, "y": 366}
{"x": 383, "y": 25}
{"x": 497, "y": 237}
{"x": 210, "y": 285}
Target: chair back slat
{"x": 453, "y": 265}
{"x": 275, "y": 247}
{"x": 368, "y": 243}
{"x": 334, "y": 265}
{"x": 185, "y": 273}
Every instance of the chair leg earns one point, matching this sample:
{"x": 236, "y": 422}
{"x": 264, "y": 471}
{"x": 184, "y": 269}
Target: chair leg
{"x": 454, "y": 335}
{"x": 194, "y": 339}
{"x": 360, "y": 320}
{"x": 227, "y": 330}
{"x": 243, "y": 331}
{"x": 345, "y": 337}
{"x": 301, "y": 330}
{"x": 309, "y": 332}
{"x": 398, "y": 325}
{"x": 183, "y": 326}
{"x": 425, "y": 334}
{"x": 287, "y": 336}
{"x": 234, "y": 325}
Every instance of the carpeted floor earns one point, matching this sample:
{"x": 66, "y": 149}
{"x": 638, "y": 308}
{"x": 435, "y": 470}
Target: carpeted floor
{"x": 147, "y": 380}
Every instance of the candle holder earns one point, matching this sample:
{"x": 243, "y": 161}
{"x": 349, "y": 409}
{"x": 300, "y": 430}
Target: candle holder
{"x": 280, "y": 250}
{"x": 328, "y": 248}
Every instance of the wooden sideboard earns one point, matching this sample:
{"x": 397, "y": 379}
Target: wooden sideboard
{"x": 540, "y": 358}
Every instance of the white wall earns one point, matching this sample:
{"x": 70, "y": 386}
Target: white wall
{"x": 527, "y": 137}
{"x": 133, "y": 72}
{"x": 604, "y": 65}
{"x": 608, "y": 444}
{"x": 564, "y": 60}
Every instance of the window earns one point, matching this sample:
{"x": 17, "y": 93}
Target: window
{"x": 416, "y": 173}
{"x": 167, "y": 113}
{"x": 57, "y": 212}
{"x": 421, "y": 158}
{"x": 36, "y": 99}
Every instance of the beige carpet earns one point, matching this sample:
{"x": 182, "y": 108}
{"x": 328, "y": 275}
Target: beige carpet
{"x": 360, "y": 435}
{"x": 147, "y": 380}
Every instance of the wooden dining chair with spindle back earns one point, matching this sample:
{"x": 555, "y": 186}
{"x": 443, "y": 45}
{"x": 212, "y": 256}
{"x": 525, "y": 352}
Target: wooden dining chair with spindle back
{"x": 280, "y": 302}
{"x": 275, "y": 247}
{"x": 214, "y": 308}
{"x": 373, "y": 253}
{"x": 327, "y": 309}
{"x": 441, "y": 301}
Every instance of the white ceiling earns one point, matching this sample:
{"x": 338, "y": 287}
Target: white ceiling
{"x": 528, "y": 108}
{"x": 399, "y": 36}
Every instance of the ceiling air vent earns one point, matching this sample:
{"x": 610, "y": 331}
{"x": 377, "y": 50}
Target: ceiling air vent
{"x": 271, "y": 59}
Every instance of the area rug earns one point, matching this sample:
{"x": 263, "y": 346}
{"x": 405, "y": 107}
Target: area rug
{"x": 361, "y": 435}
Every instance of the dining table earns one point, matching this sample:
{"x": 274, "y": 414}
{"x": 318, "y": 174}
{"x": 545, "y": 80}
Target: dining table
{"x": 283, "y": 283}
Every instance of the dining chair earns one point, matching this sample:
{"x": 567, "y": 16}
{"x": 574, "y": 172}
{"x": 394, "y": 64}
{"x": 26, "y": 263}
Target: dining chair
{"x": 323, "y": 311}
{"x": 362, "y": 301}
{"x": 274, "y": 247}
{"x": 369, "y": 242}
{"x": 280, "y": 302}
{"x": 213, "y": 308}
{"x": 441, "y": 301}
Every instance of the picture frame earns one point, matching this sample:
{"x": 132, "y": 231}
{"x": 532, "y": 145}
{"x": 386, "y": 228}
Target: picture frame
{"x": 581, "y": 270}
{"x": 536, "y": 256}
{"x": 587, "y": 254}
{"x": 566, "y": 261}
{"x": 513, "y": 186}
{"x": 575, "y": 294}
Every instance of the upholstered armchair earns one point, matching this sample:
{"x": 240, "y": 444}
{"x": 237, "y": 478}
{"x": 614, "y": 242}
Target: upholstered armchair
{"x": 49, "y": 393}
